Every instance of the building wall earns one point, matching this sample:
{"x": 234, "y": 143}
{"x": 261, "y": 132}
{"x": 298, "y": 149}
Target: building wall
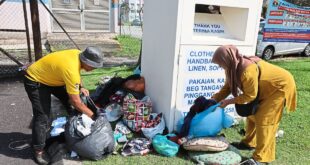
{"x": 133, "y": 11}
{"x": 12, "y": 16}
{"x": 135, "y": 6}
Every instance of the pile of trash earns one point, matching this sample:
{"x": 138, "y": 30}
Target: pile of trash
{"x": 125, "y": 124}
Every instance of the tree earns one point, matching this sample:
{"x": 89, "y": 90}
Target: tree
{"x": 124, "y": 11}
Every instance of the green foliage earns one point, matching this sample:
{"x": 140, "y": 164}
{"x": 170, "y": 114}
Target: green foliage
{"x": 130, "y": 46}
{"x": 150, "y": 159}
{"x": 292, "y": 148}
{"x": 91, "y": 79}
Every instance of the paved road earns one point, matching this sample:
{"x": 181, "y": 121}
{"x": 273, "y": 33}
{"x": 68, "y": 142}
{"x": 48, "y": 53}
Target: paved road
{"x": 14, "y": 121}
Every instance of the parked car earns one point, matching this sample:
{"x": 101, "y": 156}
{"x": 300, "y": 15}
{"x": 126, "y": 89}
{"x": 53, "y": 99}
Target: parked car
{"x": 136, "y": 22}
{"x": 267, "y": 50}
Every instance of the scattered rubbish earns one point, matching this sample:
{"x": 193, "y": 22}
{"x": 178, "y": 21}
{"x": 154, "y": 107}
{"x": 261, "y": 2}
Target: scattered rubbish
{"x": 280, "y": 133}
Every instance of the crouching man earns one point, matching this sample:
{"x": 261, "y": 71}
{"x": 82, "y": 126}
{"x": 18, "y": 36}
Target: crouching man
{"x": 57, "y": 73}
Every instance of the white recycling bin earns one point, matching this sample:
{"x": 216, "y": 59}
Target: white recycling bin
{"x": 179, "y": 39}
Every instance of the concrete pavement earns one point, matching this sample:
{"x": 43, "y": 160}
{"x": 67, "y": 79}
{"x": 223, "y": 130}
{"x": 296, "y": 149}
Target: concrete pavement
{"x": 15, "y": 117}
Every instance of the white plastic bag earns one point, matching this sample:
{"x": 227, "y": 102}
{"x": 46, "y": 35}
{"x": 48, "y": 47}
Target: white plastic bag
{"x": 158, "y": 129}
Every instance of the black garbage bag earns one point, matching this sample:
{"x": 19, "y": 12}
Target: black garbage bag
{"x": 56, "y": 148}
{"x": 96, "y": 145}
{"x": 104, "y": 91}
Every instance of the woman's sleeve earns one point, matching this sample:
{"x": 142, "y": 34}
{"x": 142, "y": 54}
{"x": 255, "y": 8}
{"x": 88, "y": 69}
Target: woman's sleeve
{"x": 249, "y": 80}
{"x": 222, "y": 94}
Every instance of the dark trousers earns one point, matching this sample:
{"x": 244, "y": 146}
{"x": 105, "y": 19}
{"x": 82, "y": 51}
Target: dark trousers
{"x": 40, "y": 97}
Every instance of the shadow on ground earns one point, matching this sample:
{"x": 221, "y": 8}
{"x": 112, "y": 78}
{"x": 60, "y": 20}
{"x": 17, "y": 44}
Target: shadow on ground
{"x": 15, "y": 145}
{"x": 16, "y": 114}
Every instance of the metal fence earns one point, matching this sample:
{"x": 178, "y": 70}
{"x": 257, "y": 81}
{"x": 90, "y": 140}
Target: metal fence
{"x": 16, "y": 35}
{"x": 13, "y": 37}
{"x": 130, "y": 21}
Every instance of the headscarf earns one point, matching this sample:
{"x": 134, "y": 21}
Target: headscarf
{"x": 234, "y": 64}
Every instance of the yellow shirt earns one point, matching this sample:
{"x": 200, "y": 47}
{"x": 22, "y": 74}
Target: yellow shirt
{"x": 60, "y": 68}
{"x": 273, "y": 79}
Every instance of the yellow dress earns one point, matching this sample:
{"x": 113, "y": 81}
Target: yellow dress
{"x": 276, "y": 89}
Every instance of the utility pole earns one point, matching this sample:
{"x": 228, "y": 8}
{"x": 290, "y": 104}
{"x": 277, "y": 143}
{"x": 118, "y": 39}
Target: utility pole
{"x": 27, "y": 30}
{"x": 35, "y": 19}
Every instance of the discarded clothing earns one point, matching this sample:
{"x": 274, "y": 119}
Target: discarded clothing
{"x": 133, "y": 84}
{"x": 154, "y": 126}
{"x": 120, "y": 127}
{"x": 210, "y": 122}
{"x": 84, "y": 124}
{"x": 137, "y": 146}
{"x": 58, "y": 126}
{"x": 113, "y": 111}
{"x": 200, "y": 104}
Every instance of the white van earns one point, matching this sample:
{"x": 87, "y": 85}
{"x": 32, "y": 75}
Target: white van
{"x": 267, "y": 50}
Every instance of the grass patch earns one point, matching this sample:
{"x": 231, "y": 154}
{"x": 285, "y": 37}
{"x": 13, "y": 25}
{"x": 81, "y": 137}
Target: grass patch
{"x": 91, "y": 79}
{"x": 130, "y": 46}
{"x": 293, "y": 148}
